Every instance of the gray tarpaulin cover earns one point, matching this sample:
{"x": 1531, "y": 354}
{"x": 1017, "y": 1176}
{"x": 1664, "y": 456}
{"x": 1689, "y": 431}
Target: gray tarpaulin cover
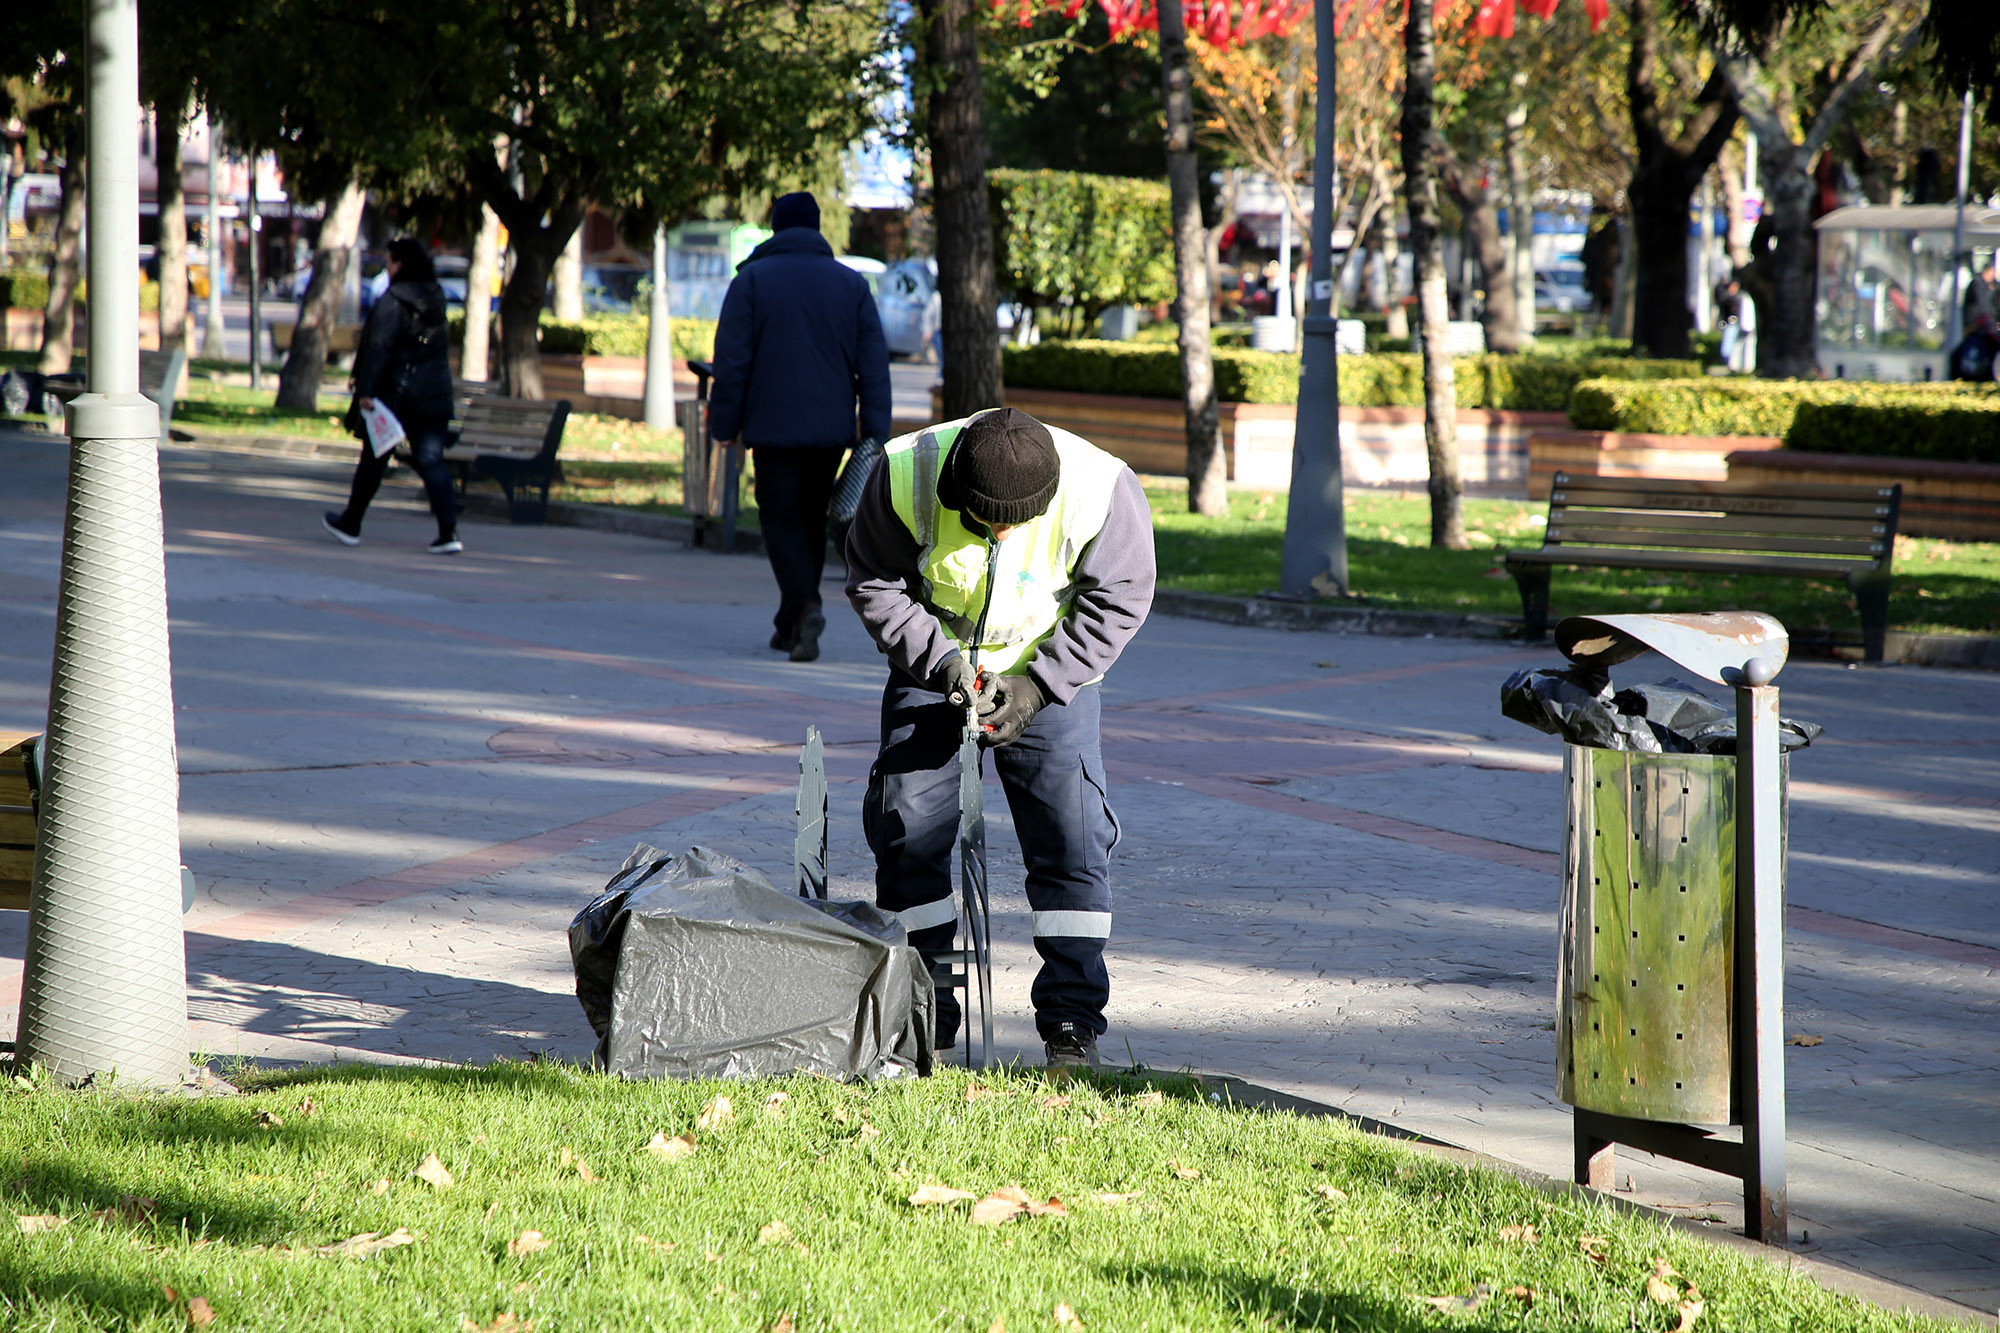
{"x": 1672, "y": 717}
{"x": 696, "y": 966}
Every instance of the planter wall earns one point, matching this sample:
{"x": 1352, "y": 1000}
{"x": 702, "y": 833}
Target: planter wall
{"x": 1380, "y": 446}
{"x": 1596, "y": 453}
{"x": 1951, "y": 501}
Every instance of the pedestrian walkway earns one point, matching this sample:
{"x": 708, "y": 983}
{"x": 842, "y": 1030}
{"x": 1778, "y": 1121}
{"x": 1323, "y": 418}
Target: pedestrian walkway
{"x": 403, "y": 774}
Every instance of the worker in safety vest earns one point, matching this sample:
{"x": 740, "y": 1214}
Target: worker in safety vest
{"x": 1002, "y": 562}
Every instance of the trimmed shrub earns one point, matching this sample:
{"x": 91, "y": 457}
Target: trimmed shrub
{"x": 1517, "y": 383}
{"x": 24, "y": 289}
{"x": 1063, "y": 239}
{"x": 613, "y": 335}
{"x": 1956, "y": 428}
{"x": 1715, "y": 406}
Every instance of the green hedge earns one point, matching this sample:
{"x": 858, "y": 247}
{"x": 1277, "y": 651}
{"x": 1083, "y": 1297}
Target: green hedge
{"x": 24, "y": 289}
{"x": 1066, "y": 239}
{"x": 1957, "y": 428}
{"x": 1719, "y": 406}
{"x": 613, "y": 335}
{"x": 1519, "y": 383}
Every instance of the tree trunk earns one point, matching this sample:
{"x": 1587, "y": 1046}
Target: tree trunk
{"x": 1780, "y": 275}
{"x": 1482, "y": 231}
{"x": 59, "y": 319}
{"x": 472, "y": 356}
{"x": 1624, "y": 278}
{"x": 1207, "y": 464}
{"x": 1738, "y": 237}
{"x": 319, "y": 313}
{"x": 968, "y": 295}
{"x": 1211, "y": 248}
{"x": 168, "y": 117}
{"x": 569, "y": 278}
{"x": 521, "y": 309}
{"x": 1521, "y": 218}
{"x": 1420, "y": 183}
{"x": 1396, "y": 316}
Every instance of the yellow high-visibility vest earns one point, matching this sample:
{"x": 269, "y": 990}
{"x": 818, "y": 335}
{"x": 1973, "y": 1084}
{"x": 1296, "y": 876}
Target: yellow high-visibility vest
{"x": 998, "y": 623}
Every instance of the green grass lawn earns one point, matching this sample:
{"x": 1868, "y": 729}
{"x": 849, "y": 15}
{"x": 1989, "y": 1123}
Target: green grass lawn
{"x": 1172, "y": 1210}
{"x": 1939, "y": 585}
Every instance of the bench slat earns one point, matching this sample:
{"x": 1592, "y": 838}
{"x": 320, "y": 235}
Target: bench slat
{"x": 1710, "y": 561}
{"x": 1642, "y": 501}
{"x": 1720, "y": 524}
{"x": 1570, "y": 535}
{"x": 1585, "y": 481}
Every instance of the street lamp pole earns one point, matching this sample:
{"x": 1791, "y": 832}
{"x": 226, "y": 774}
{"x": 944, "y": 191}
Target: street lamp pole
{"x": 104, "y": 986}
{"x": 1315, "y": 555}
{"x": 1955, "y": 323}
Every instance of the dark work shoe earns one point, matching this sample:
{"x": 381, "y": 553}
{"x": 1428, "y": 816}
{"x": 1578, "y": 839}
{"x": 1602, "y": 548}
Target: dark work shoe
{"x": 450, "y": 545}
{"x": 781, "y": 641}
{"x": 1070, "y": 1046}
{"x": 805, "y": 647}
{"x": 331, "y": 522}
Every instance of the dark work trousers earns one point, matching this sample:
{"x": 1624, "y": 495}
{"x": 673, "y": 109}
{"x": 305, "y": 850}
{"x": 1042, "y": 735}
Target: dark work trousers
{"x": 1054, "y": 780}
{"x": 427, "y": 442}
{"x": 793, "y": 488}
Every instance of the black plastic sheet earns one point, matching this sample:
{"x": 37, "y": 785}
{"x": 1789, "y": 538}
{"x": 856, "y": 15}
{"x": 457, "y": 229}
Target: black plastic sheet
{"x": 697, "y": 966}
{"x": 1671, "y": 717}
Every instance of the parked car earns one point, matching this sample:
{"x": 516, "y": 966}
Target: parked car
{"x": 612, "y": 288}
{"x": 908, "y": 300}
{"x": 452, "y": 271}
{"x": 1562, "y": 290}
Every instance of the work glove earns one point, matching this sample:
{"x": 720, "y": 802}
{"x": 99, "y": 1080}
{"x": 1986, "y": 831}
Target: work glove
{"x": 1007, "y": 704}
{"x": 955, "y": 680}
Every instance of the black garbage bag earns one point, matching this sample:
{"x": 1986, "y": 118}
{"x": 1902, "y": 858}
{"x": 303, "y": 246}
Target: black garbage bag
{"x": 696, "y": 966}
{"x": 1671, "y": 717}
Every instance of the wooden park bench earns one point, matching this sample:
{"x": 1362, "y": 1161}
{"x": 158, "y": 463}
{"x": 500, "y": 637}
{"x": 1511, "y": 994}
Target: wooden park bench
{"x": 17, "y": 819}
{"x": 513, "y": 441}
{"x": 1804, "y": 531}
{"x": 159, "y": 379}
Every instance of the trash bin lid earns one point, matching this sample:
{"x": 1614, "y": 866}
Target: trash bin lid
{"x": 1707, "y": 644}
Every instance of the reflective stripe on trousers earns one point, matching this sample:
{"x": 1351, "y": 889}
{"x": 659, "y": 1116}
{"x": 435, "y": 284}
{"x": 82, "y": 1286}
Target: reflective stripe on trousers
{"x": 1053, "y": 778}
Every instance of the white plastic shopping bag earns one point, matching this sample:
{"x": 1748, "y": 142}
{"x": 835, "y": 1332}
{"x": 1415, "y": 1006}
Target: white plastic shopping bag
{"x": 384, "y": 431}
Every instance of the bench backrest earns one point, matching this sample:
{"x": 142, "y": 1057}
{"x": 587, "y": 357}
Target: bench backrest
{"x": 1848, "y": 525}
{"x": 17, "y": 820}
{"x": 522, "y": 427}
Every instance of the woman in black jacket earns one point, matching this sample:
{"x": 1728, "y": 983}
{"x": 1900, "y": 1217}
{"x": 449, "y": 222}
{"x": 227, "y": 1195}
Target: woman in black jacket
{"x": 404, "y": 363}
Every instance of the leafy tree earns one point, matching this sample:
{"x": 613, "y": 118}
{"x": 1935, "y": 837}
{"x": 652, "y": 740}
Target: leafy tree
{"x": 1090, "y": 104}
{"x": 1421, "y": 152}
{"x": 1081, "y": 242}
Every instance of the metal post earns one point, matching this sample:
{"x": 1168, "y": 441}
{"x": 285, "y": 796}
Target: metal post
{"x": 1315, "y": 555}
{"x": 1959, "y": 261}
{"x": 1760, "y": 952}
{"x": 215, "y": 337}
{"x": 256, "y": 282}
{"x": 659, "y": 400}
{"x": 104, "y": 986}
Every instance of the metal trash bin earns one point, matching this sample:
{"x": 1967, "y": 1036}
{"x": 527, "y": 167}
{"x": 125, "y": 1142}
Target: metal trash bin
{"x": 1646, "y": 988}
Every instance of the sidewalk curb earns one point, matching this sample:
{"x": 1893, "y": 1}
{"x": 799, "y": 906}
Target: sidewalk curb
{"x": 1961, "y": 651}
{"x": 1833, "y": 1277}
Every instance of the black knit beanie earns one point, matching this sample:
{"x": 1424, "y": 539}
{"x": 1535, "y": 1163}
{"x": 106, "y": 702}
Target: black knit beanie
{"x": 795, "y": 210}
{"x": 1003, "y": 468}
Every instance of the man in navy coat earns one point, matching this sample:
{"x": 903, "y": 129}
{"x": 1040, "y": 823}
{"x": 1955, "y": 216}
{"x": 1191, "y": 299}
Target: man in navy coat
{"x": 798, "y": 345}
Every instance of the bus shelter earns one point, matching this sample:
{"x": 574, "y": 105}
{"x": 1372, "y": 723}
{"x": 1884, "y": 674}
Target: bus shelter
{"x": 1886, "y": 287}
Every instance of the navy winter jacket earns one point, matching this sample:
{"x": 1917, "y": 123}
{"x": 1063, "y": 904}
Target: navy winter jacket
{"x": 404, "y": 360}
{"x": 799, "y": 341}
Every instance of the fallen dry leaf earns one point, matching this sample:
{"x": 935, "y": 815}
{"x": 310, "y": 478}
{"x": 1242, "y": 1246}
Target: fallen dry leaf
{"x": 308, "y": 1107}
{"x": 937, "y": 1194}
{"x": 1658, "y": 1289}
{"x": 267, "y": 1120}
{"x": 528, "y": 1242}
{"x": 1115, "y": 1200}
{"x": 568, "y": 1156}
{"x": 1597, "y": 1249}
{"x": 775, "y": 1103}
{"x": 583, "y": 1171}
{"x": 199, "y": 1313}
{"x": 999, "y": 1325}
{"x": 1525, "y": 1295}
{"x": 784, "y": 1324}
{"x": 36, "y": 1224}
{"x": 1184, "y": 1172}
{"x": 1150, "y": 1099}
{"x": 1465, "y": 1304}
{"x": 1803, "y": 1039}
{"x": 491, "y": 1209}
{"x": 773, "y": 1232}
{"x": 869, "y": 1132}
{"x": 1689, "y": 1311}
{"x": 505, "y": 1323}
{"x": 431, "y": 1171}
{"x": 367, "y": 1243}
{"x": 840, "y": 1113}
{"x": 130, "y": 1209}
{"x": 1331, "y": 1193}
{"x": 1523, "y": 1233}
{"x": 663, "y": 1246}
{"x": 380, "y": 1187}
{"x": 996, "y": 1208}
{"x": 1065, "y": 1317}
{"x": 715, "y": 1115}
{"x": 978, "y": 1093}
{"x": 671, "y": 1150}
{"x": 1057, "y": 1103}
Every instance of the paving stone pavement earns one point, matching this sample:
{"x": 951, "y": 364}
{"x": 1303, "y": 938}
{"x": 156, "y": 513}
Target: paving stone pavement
{"x": 403, "y": 774}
